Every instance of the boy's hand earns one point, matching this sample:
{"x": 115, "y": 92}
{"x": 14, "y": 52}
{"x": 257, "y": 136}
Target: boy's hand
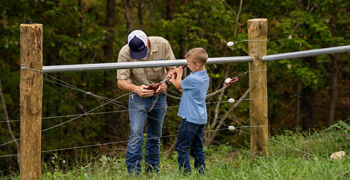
{"x": 179, "y": 70}
{"x": 176, "y": 81}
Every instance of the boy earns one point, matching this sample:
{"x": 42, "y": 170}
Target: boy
{"x": 192, "y": 110}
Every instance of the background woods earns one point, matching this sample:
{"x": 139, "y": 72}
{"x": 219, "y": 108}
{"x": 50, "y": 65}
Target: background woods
{"x": 303, "y": 95}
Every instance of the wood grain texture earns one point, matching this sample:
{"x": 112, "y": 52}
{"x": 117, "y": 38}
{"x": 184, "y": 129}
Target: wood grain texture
{"x": 258, "y": 107}
{"x": 31, "y": 88}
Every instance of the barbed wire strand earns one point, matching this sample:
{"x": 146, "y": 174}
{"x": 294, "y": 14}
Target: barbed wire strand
{"x": 60, "y": 124}
{"x": 69, "y": 119}
{"x": 109, "y": 112}
{"x": 100, "y": 144}
{"x": 87, "y": 93}
{"x": 88, "y": 114}
{"x": 70, "y": 86}
{"x": 294, "y": 148}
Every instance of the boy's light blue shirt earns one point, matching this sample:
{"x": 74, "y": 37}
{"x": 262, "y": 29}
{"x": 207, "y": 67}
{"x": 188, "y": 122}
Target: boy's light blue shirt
{"x": 192, "y": 105}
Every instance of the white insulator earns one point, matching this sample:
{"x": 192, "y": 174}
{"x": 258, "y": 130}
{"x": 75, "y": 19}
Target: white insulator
{"x": 231, "y": 100}
{"x": 228, "y": 80}
{"x": 230, "y": 43}
{"x": 89, "y": 93}
{"x": 231, "y": 128}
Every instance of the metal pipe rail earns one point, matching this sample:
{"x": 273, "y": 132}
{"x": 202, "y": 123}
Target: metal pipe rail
{"x": 299, "y": 54}
{"x": 179, "y": 62}
{"x": 140, "y": 64}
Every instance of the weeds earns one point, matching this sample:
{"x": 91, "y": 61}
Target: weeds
{"x": 291, "y": 156}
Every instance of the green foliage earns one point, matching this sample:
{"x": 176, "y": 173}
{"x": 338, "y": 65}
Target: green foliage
{"x": 76, "y": 34}
{"x": 340, "y": 134}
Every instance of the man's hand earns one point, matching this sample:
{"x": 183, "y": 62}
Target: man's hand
{"x": 162, "y": 88}
{"x": 142, "y": 91}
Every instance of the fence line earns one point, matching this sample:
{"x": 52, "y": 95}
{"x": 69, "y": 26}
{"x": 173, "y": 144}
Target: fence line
{"x": 300, "y": 54}
{"x": 109, "y": 143}
{"x": 179, "y": 62}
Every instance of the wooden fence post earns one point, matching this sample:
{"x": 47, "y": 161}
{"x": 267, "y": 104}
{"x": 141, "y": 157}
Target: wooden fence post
{"x": 31, "y": 89}
{"x": 257, "y": 44}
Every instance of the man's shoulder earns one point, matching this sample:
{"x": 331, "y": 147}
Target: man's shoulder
{"x": 124, "y": 54}
{"x": 124, "y": 49}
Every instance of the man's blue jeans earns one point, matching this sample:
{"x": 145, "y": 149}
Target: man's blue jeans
{"x": 138, "y": 113}
{"x": 189, "y": 141}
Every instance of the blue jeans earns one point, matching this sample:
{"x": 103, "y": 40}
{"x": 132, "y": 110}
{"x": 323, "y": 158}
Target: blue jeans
{"x": 189, "y": 142}
{"x": 138, "y": 113}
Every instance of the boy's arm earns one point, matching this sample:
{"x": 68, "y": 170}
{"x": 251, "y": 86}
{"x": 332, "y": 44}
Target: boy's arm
{"x": 177, "y": 81}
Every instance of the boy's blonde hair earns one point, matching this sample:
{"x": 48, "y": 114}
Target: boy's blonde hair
{"x": 197, "y": 55}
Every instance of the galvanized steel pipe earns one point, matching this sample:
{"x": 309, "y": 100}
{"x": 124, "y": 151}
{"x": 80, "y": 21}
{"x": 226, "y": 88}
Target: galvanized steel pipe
{"x": 140, "y": 64}
{"x": 299, "y": 54}
{"x": 179, "y": 62}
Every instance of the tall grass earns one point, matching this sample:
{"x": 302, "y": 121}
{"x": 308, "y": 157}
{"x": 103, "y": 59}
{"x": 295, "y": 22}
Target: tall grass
{"x": 291, "y": 156}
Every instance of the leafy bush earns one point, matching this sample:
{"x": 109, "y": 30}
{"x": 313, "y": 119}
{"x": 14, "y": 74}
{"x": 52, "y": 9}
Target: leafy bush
{"x": 340, "y": 134}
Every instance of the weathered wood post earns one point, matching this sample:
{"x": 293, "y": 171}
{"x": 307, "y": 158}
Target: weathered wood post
{"x": 257, "y": 44}
{"x": 31, "y": 88}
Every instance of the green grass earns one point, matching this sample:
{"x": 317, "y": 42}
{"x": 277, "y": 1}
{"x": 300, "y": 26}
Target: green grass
{"x": 291, "y": 156}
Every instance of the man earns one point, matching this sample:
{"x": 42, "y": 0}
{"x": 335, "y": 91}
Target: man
{"x": 142, "y": 99}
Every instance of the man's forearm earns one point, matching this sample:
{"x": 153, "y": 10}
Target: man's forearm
{"x": 170, "y": 72}
{"x": 125, "y": 85}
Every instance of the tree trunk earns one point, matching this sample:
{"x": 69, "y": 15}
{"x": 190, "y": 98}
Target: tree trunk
{"x": 8, "y": 122}
{"x": 127, "y": 13}
{"x": 299, "y": 88}
{"x": 307, "y": 108}
{"x": 110, "y": 23}
{"x": 140, "y": 6}
{"x": 308, "y": 100}
{"x": 237, "y": 17}
{"x": 169, "y": 9}
{"x": 80, "y": 29}
{"x": 334, "y": 77}
{"x": 334, "y": 89}
{"x": 108, "y": 80}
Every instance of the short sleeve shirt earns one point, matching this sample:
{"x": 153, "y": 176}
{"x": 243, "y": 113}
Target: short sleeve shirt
{"x": 192, "y": 105}
{"x": 159, "y": 50}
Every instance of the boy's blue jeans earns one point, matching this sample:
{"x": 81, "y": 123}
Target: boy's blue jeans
{"x": 138, "y": 113}
{"x": 189, "y": 142}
